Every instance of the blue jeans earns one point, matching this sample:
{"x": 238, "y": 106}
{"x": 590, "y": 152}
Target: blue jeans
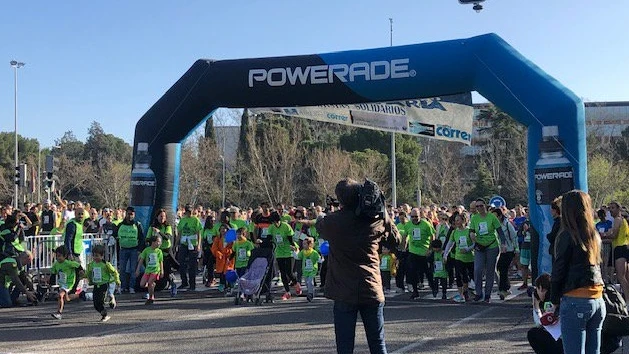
{"x": 345, "y": 316}
{"x": 129, "y": 255}
{"x": 7, "y": 299}
{"x": 581, "y": 324}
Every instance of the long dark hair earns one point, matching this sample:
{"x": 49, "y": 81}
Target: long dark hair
{"x": 578, "y": 221}
{"x": 156, "y": 223}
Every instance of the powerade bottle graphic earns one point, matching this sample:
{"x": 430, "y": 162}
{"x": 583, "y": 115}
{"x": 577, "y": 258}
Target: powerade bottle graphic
{"x": 553, "y": 177}
{"x": 143, "y": 186}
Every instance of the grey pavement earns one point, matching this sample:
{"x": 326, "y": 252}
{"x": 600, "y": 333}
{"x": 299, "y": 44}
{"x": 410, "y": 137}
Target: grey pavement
{"x": 206, "y": 322}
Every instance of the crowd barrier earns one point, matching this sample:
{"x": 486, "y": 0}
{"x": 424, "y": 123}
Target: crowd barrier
{"x": 43, "y": 249}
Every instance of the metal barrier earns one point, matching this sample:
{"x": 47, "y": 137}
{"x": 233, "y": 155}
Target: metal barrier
{"x": 43, "y": 249}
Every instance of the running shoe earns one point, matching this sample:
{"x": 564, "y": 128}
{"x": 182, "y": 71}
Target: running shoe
{"x": 56, "y": 315}
{"x": 105, "y": 318}
{"x": 309, "y": 297}
{"x": 503, "y": 294}
{"x": 478, "y": 298}
{"x": 458, "y": 298}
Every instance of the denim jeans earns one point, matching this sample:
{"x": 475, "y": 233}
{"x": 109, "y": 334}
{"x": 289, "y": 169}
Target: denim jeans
{"x": 5, "y": 297}
{"x": 581, "y": 324}
{"x": 345, "y": 316}
{"x": 485, "y": 262}
{"x": 129, "y": 255}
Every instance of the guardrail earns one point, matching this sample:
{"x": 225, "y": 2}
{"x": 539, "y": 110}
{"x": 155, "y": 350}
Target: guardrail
{"x": 43, "y": 249}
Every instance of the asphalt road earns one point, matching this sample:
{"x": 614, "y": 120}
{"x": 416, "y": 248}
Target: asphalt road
{"x": 206, "y": 322}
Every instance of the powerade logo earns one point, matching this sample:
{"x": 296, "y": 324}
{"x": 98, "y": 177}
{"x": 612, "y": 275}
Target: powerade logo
{"x": 452, "y": 133}
{"x": 546, "y": 176}
{"x": 328, "y": 74}
{"x": 143, "y": 183}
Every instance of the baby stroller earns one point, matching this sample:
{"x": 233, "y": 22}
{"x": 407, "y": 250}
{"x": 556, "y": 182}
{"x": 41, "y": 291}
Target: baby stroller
{"x": 257, "y": 279}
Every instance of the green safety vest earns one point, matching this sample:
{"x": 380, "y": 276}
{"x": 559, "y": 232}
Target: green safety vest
{"x": 78, "y": 237}
{"x": 7, "y": 279}
{"x": 128, "y": 235}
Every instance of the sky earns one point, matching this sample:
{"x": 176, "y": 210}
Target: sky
{"x": 110, "y": 61}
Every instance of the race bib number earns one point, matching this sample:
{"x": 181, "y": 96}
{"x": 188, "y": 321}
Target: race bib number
{"x": 97, "y": 276}
{"x": 438, "y": 266}
{"x": 302, "y": 236}
{"x": 482, "y": 228}
{"x": 265, "y": 233}
{"x": 242, "y": 254}
{"x": 463, "y": 242}
{"x": 152, "y": 260}
{"x": 279, "y": 239}
{"x": 46, "y": 219}
{"x": 384, "y": 263}
{"x": 62, "y": 279}
{"x": 417, "y": 234}
{"x": 527, "y": 237}
{"x": 309, "y": 265}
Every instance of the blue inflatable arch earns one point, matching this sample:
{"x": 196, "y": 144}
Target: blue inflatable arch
{"x": 485, "y": 63}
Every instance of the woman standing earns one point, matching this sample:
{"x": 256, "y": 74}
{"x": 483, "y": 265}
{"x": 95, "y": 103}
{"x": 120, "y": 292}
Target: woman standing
{"x": 577, "y": 284}
{"x": 162, "y": 227}
{"x": 506, "y": 257}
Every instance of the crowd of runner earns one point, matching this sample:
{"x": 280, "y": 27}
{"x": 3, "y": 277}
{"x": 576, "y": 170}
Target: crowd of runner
{"x": 442, "y": 247}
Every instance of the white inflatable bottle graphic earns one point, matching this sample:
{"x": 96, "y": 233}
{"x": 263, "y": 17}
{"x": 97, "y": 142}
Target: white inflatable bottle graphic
{"x": 553, "y": 177}
{"x": 143, "y": 185}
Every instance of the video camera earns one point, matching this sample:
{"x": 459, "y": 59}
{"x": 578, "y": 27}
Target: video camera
{"x": 330, "y": 201}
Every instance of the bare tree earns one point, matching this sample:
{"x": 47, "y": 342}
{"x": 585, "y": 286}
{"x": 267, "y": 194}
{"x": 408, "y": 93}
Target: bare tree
{"x": 442, "y": 173}
{"x": 328, "y": 167}
{"x": 110, "y": 186}
{"x": 74, "y": 176}
{"x": 200, "y": 172}
{"x": 373, "y": 165}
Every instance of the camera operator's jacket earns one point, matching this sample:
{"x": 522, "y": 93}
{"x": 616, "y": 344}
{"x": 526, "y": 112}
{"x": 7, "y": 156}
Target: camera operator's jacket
{"x": 353, "y": 263}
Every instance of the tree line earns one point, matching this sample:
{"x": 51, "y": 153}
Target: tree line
{"x": 298, "y": 161}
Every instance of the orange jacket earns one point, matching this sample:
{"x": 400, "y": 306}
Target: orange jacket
{"x": 222, "y": 252}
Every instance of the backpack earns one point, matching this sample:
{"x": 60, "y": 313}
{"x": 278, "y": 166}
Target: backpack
{"x": 371, "y": 203}
{"x": 616, "y": 322}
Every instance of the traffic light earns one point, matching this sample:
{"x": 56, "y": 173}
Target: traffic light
{"x": 21, "y": 175}
{"x": 52, "y": 167}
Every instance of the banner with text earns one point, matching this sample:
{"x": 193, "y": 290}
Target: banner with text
{"x": 445, "y": 118}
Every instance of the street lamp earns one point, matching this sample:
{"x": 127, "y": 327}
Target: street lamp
{"x": 16, "y": 65}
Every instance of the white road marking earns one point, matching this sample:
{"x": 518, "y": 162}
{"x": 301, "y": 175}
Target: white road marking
{"x": 412, "y": 346}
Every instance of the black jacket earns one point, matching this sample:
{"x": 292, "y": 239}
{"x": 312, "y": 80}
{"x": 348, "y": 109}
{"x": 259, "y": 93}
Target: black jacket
{"x": 571, "y": 269}
{"x": 553, "y": 235}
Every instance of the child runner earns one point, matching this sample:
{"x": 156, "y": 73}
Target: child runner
{"x": 153, "y": 260}
{"x": 525, "y": 254}
{"x": 65, "y": 270}
{"x": 440, "y": 275}
{"x": 100, "y": 274}
{"x": 461, "y": 241}
{"x": 242, "y": 251}
{"x": 310, "y": 260}
{"x": 387, "y": 268}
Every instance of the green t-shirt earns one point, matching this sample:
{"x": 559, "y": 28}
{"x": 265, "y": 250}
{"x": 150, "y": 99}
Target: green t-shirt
{"x": 189, "y": 229}
{"x": 439, "y": 265}
{"x": 442, "y": 233}
{"x": 99, "y": 273}
{"x": 462, "y": 239}
{"x": 242, "y": 252}
{"x": 286, "y": 218}
{"x": 401, "y": 229}
{"x": 309, "y": 262}
{"x": 419, "y": 236}
{"x": 485, "y": 228}
{"x": 386, "y": 262}
{"x": 65, "y": 272}
{"x": 167, "y": 236}
{"x": 238, "y": 223}
{"x": 152, "y": 260}
{"x": 280, "y": 235}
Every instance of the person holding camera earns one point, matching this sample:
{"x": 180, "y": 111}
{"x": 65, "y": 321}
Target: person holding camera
{"x": 353, "y": 274}
{"x": 539, "y": 338}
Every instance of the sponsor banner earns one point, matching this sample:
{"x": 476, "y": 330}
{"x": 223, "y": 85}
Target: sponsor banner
{"x": 444, "y": 118}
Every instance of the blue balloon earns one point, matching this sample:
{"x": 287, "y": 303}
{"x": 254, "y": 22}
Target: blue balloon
{"x": 231, "y": 276}
{"x": 325, "y": 248}
{"x": 230, "y": 235}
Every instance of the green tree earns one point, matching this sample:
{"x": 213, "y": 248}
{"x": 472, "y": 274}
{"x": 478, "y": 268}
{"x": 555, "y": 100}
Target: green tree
{"x": 607, "y": 179}
{"x": 484, "y": 187}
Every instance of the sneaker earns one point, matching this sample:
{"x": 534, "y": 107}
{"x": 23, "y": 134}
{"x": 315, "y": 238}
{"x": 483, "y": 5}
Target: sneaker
{"x": 458, "y": 298}
{"x": 309, "y": 297}
{"x": 478, "y": 298}
{"x": 112, "y": 302}
{"x": 132, "y": 291}
{"x": 502, "y": 294}
{"x": 414, "y": 295}
{"x": 286, "y": 296}
{"x": 298, "y": 289}
{"x": 466, "y": 296}
{"x": 56, "y": 315}
{"x": 105, "y": 318}
{"x": 149, "y": 302}
{"x": 221, "y": 288}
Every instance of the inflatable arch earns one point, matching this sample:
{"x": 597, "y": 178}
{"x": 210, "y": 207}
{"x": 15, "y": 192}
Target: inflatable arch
{"x": 486, "y": 63}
